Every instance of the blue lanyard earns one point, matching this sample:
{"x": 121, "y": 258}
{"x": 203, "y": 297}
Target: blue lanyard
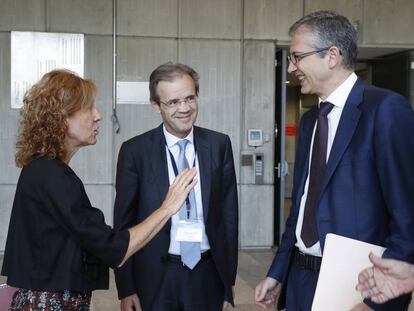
{"x": 174, "y": 165}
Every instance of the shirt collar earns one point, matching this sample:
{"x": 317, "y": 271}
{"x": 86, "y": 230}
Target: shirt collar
{"x": 341, "y": 93}
{"x": 172, "y": 140}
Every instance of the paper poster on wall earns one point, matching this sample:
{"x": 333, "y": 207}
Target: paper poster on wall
{"x": 132, "y": 92}
{"x": 35, "y": 53}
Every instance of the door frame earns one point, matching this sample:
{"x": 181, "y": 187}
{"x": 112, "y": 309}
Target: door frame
{"x": 280, "y": 169}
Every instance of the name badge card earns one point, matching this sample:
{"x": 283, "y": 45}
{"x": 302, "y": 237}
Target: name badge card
{"x": 189, "y": 231}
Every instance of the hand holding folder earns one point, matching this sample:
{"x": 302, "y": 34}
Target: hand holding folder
{"x": 343, "y": 259}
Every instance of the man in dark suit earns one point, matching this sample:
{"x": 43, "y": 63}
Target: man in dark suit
{"x": 354, "y": 168}
{"x": 159, "y": 277}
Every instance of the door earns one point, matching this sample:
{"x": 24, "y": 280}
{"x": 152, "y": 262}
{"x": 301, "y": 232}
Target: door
{"x": 280, "y": 169}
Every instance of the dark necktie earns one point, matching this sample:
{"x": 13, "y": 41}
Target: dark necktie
{"x": 190, "y": 251}
{"x": 309, "y": 233}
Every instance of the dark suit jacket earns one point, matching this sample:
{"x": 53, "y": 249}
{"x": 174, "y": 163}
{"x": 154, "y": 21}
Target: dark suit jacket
{"x": 368, "y": 188}
{"x": 56, "y": 239}
{"x": 142, "y": 183}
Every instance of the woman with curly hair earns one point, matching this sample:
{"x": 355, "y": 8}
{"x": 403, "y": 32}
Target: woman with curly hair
{"x": 58, "y": 246}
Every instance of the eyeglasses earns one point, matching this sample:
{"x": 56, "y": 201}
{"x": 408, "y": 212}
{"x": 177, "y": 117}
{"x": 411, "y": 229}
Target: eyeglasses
{"x": 294, "y": 58}
{"x": 189, "y": 100}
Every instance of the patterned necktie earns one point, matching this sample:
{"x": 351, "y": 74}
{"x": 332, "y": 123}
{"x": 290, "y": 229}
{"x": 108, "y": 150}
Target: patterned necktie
{"x": 309, "y": 233}
{"x": 190, "y": 251}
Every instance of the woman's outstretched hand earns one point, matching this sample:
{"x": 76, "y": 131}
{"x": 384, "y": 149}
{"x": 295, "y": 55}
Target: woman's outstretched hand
{"x": 143, "y": 232}
{"x": 179, "y": 190}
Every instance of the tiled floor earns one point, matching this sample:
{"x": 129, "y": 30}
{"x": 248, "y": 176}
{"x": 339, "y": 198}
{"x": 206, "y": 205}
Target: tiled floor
{"x": 253, "y": 266}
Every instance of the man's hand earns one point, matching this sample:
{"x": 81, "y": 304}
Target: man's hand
{"x": 226, "y": 304}
{"x": 130, "y": 302}
{"x": 386, "y": 279}
{"x": 361, "y": 307}
{"x": 267, "y": 292}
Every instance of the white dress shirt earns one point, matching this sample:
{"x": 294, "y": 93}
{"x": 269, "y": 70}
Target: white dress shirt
{"x": 338, "y": 99}
{"x": 190, "y": 154}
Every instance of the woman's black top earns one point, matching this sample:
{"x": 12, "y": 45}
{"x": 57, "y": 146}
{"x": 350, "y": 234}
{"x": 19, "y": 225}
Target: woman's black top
{"x": 56, "y": 239}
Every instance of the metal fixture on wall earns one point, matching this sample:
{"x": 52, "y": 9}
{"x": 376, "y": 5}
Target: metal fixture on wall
{"x": 114, "y": 116}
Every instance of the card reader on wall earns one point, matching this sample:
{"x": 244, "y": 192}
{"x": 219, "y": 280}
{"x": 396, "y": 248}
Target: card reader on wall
{"x": 258, "y": 168}
{"x": 255, "y": 137}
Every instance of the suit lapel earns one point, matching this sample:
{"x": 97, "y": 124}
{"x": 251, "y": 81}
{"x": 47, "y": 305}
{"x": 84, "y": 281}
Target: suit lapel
{"x": 204, "y": 161}
{"x": 159, "y": 163}
{"x": 346, "y": 128}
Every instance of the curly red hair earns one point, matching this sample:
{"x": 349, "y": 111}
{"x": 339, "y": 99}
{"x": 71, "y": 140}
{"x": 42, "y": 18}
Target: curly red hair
{"x": 46, "y": 106}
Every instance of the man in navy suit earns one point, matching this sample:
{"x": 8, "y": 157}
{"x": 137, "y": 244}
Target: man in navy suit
{"x": 158, "y": 277}
{"x": 363, "y": 184}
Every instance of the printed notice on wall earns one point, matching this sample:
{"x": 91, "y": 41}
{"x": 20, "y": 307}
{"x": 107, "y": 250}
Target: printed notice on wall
{"x": 132, "y": 92}
{"x": 35, "y": 53}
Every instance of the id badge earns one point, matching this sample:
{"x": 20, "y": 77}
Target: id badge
{"x": 189, "y": 231}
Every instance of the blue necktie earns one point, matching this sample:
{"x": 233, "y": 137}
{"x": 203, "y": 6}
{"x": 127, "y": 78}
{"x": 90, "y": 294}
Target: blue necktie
{"x": 190, "y": 251}
{"x": 309, "y": 233}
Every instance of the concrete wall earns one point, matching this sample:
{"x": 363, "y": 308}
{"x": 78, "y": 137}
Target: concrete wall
{"x": 231, "y": 43}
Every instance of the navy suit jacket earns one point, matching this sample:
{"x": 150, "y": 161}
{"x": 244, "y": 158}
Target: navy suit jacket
{"x": 368, "y": 187}
{"x": 142, "y": 183}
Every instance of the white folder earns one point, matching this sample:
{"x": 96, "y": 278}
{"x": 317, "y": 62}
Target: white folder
{"x": 343, "y": 259}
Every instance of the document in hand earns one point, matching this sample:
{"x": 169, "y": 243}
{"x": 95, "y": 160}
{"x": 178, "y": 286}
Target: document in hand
{"x": 343, "y": 259}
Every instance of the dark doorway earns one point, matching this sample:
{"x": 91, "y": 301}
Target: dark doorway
{"x": 393, "y": 72}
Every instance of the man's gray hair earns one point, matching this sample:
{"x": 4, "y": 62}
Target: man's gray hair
{"x": 331, "y": 29}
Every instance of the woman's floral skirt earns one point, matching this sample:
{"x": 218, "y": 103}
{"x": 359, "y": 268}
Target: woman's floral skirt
{"x": 29, "y": 300}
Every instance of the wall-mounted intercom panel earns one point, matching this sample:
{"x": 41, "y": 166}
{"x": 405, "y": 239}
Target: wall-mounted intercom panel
{"x": 258, "y": 168}
{"x": 252, "y": 164}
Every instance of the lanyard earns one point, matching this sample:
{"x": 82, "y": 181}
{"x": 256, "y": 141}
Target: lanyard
{"x": 174, "y": 165}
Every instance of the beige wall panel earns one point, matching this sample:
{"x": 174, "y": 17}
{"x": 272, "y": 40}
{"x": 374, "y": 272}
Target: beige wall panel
{"x": 211, "y": 18}
{"x": 101, "y": 197}
{"x": 389, "y": 22}
{"x": 148, "y": 18}
{"x": 218, "y": 64}
{"x": 352, "y": 9}
{"x": 94, "y": 164}
{"x": 6, "y": 202}
{"x": 9, "y": 118}
{"x": 259, "y": 98}
{"x": 256, "y": 216}
{"x": 135, "y": 120}
{"x": 22, "y": 15}
{"x": 137, "y": 58}
{"x": 91, "y": 16}
{"x": 270, "y": 19}
{"x": 98, "y": 67}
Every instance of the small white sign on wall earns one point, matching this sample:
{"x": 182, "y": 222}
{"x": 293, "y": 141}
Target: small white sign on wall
{"x": 132, "y": 92}
{"x": 35, "y": 53}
